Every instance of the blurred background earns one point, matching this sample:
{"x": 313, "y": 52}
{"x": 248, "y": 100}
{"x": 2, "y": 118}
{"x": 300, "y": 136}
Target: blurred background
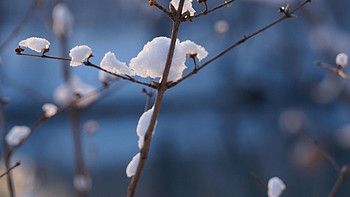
{"x": 242, "y": 113}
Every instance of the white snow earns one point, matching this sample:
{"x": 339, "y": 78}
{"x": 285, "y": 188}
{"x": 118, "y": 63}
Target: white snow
{"x": 17, "y": 134}
{"x": 144, "y": 122}
{"x": 150, "y": 62}
{"x": 35, "y": 44}
{"x": 82, "y": 182}
{"x": 342, "y": 60}
{"x": 49, "y": 109}
{"x": 132, "y": 166}
{"x": 111, "y": 64}
{"x": 67, "y": 92}
{"x": 79, "y": 54}
{"x": 275, "y": 187}
{"x": 187, "y": 6}
{"x": 141, "y": 142}
{"x": 62, "y": 20}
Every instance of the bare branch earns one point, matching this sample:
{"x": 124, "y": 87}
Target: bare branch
{"x": 241, "y": 41}
{"x": 163, "y": 9}
{"x": 13, "y": 167}
{"x": 88, "y": 63}
{"x": 227, "y": 3}
{"x": 259, "y": 180}
{"x": 334, "y": 69}
{"x": 344, "y": 173}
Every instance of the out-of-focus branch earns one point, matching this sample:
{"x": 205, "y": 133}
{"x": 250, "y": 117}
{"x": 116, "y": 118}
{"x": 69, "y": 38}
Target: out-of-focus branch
{"x": 335, "y": 69}
{"x": 88, "y": 63}
{"x": 241, "y": 41}
{"x": 13, "y": 167}
{"x": 344, "y": 173}
{"x": 149, "y": 95}
{"x": 259, "y": 180}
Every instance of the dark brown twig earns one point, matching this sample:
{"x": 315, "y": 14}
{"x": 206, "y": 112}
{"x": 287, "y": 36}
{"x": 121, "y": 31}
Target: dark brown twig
{"x": 259, "y": 180}
{"x": 241, "y": 41}
{"x": 344, "y": 173}
{"x": 13, "y": 167}
{"x": 163, "y": 9}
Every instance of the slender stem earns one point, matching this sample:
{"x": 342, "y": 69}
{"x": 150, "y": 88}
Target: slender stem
{"x": 87, "y": 63}
{"x": 241, "y": 41}
{"x": 259, "y": 180}
{"x": 344, "y": 173}
{"x": 209, "y": 11}
{"x": 163, "y": 9}
{"x": 334, "y": 69}
{"x": 13, "y": 167}
{"x": 160, "y": 93}
{"x": 6, "y": 152}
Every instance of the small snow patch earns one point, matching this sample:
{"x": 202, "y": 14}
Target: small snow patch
{"x": 132, "y": 167}
{"x": 17, "y": 134}
{"x": 35, "y": 44}
{"x": 79, "y": 54}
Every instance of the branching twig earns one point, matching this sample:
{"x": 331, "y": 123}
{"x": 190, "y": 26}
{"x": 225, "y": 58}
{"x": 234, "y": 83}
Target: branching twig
{"x": 7, "y": 171}
{"x": 241, "y": 41}
{"x": 259, "y": 180}
{"x": 163, "y": 9}
{"x": 88, "y": 63}
{"x": 344, "y": 173}
{"x": 149, "y": 95}
{"x": 334, "y": 69}
{"x": 209, "y": 11}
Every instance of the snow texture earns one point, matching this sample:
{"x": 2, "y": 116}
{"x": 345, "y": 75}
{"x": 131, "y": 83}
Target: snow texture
{"x": 62, "y": 20}
{"x": 17, "y": 134}
{"x": 132, "y": 167}
{"x": 35, "y": 44}
{"x": 70, "y": 91}
{"x": 150, "y": 62}
{"x": 79, "y": 54}
{"x": 275, "y": 187}
{"x": 49, "y": 109}
{"x": 342, "y": 60}
{"x": 111, "y": 64}
{"x": 187, "y": 6}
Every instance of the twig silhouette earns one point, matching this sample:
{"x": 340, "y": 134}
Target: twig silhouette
{"x": 8, "y": 170}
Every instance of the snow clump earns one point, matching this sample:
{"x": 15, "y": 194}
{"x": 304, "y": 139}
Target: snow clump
{"x": 275, "y": 187}
{"x": 111, "y": 64}
{"x": 342, "y": 60}
{"x": 187, "y": 6}
{"x": 49, "y": 109}
{"x": 17, "y": 134}
{"x": 62, "y": 20}
{"x": 79, "y": 54}
{"x": 132, "y": 167}
{"x": 150, "y": 62}
{"x": 35, "y": 44}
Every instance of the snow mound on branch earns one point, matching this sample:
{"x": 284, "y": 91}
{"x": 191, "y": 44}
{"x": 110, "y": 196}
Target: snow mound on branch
{"x": 342, "y": 60}
{"x": 74, "y": 90}
{"x": 62, "y": 20}
{"x": 79, "y": 54}
{"x": 17, "y": 134}
{"x": 49, "y": 109}
{"x": 144, "y": 122}
{"x": 132, "y": 167}
{"x": 35, "y": 44}
{"x": 111, "y": 64}
{"x": 187, "y": 6}
{"x": 275, "y": 187}
{"x": 150, "y": 62}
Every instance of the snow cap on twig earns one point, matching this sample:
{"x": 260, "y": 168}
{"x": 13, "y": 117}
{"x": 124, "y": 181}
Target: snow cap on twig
{"x": 17, "y": 134}
{"x": 132, "y": 166}
{"x": 79, "y": 54}
{"x": 35, "y": 44}
{"x": 111, "y": 64}
{"x": 342, "y": 60}
{"x": 275, "y": 187}
{"x": 49, "y": 109}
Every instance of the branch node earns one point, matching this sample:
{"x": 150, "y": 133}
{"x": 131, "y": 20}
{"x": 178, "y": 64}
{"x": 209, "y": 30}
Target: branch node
{"x": 19, "y": 50}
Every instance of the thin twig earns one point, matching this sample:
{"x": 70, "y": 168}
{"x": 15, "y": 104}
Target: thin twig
{"x": 163, "y": 9}
{"x": 241, "y": 41}
{"x": 7, "y": 171}
{"x": 259, "y": 180}
{"x": 344, "y": 173}
{"x": 149, "y": 95}
{"x": 157, "y": 104}
{"x": 326, "y": 155}
{"x": 335, "y": 69}
{"x": 209, "y": 11}
{"x": 88, "y": 63}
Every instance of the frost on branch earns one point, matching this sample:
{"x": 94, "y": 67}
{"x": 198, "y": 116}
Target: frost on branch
{"x": 132, "y": 167}
{"x": 342, "y": 60}
{"x": 150, "y": 62}
{"x": 187, "y": 6}
{"x": 62, "y": 20}
{"x": 35, "y": 44}
{"x": 49, "y": 109}
{"x": 111, "y": 64}
{"x": 275, "y": 187}
{"x": 17, "y": 134}
{"x": 79, "y": 54}
{"x": 70, "y": 91}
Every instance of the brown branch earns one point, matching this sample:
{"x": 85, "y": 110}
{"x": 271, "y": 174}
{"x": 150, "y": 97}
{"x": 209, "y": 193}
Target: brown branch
{"x": 87, "y": 63}
{"x": 163, "y": 9}
{"x": 241, "y": 41}
{"x": 209, "y": 11}
{"x": 344, "y": 173}
{"x": 7, "y": 171}
{"x": 160, "y": 92}
{"x": 149, "y": 95}
{"x": 334, "y": 69}
{"x": 259, "y": 180}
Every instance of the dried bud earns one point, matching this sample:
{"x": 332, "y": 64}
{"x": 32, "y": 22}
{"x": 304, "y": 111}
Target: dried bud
{"x": 201, "y": 1}
{"x": 151, "y": 2}
{"x": 19, "y": 50}
{"x": 192, "y": 55}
